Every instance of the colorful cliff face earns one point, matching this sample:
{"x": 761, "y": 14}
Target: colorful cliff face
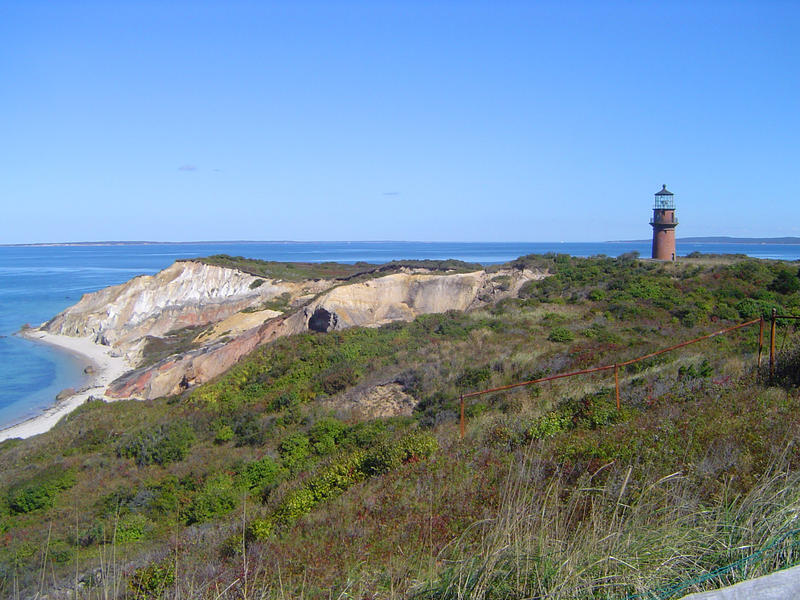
{"x": 186, "y": 294}
{"x": 224, "y": 313}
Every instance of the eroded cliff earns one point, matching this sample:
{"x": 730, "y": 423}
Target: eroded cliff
{"x": 219, "y": 314}
{"x": 186, "y": 294}
{"x": 399, "y": 296}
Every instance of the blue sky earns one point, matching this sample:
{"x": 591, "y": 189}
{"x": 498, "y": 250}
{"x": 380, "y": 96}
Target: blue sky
{"x": 468, "y": 121}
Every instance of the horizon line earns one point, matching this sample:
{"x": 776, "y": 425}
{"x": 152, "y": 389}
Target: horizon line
{"x": 244, "y": 242}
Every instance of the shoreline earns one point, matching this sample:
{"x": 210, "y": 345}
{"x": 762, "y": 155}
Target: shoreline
{"x": 107, "y": 369}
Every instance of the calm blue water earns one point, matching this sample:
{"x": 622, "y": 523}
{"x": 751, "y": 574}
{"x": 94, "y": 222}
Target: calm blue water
{"x": 39, "y": 281}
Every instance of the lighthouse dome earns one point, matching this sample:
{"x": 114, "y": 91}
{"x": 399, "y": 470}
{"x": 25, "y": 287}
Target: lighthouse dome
{"x": 664, "y": 191}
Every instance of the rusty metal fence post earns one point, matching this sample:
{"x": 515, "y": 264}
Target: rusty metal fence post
{"x": 461, "y": 423}
{"x": 772, "y": 344}
{"x": 760, "y": 340}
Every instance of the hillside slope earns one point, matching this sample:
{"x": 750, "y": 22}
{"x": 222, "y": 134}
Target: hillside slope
{"x": 278, "y": 469}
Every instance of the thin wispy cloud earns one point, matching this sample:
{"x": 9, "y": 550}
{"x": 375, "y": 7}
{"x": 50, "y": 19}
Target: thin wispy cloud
{"x": 391, "y": 193}
{"x": 187, "y": 168}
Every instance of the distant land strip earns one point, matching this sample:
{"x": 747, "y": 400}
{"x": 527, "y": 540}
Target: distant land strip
{"x": 721, "y": 239}
{"x": 151, "y": 243}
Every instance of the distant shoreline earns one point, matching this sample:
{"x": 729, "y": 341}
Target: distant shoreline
{"x": 237, "y": 242}
{"x": 783, "y": 241}
{"x": 688, "y": 240}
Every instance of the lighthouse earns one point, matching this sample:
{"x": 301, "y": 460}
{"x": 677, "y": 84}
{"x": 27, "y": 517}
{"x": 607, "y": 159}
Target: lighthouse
{"x": 664, "y": 224}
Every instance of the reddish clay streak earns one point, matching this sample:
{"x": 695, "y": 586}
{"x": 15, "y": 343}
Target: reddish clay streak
{"x": 607, "y": 367}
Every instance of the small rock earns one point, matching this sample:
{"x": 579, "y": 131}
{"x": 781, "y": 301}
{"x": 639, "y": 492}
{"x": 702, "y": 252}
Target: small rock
{"x": 64, "y": 394}
{"x": 89, "y": 370}
{"x": 93, "y": 399}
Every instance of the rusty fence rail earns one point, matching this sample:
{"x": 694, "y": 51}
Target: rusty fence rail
{"x": 616, "y": 366}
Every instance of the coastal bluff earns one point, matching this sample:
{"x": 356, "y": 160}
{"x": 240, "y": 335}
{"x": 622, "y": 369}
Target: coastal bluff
{"x": 193, "y": 320}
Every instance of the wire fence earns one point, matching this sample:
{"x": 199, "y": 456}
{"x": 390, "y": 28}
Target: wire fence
{"x": 772, "y": 549}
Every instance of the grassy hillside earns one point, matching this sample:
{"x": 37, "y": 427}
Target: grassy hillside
{"x": 265, "y": 483}
{"x": 299, "y": 271}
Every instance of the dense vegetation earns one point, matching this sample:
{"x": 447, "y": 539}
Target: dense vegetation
{"x": 267, "y": 483}
{"x": 298, "y": 271}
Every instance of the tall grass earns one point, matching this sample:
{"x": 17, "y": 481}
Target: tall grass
{"x": 625, "y": 537}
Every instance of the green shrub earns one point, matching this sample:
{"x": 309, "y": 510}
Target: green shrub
{"x": 131, "y": 527}
{"x": 549, "y": 425}
{"x": 703, "y": 370}
{"x": 561, "y": 334}
{"x": 325, "y": 434}
{"x": 161, "y": 445}
{"x": 602, "y": 334}
{"x": 61, "y": 553}
{"x": 216, "y": 498}
{"x": 552, "y": 318}
{"x": 543, "y": 289}
{"x": 787, "y": 367}
{"x": 592, "y": 411}
{"x": 785, "y": 282}
{"x": 296, "y": 504}
{"x": 418, "y": 445}
{"x": 256, "y": 283}
{"x": 472, "y": 377}
{"x": 232, "y": 546}
{"x": 338, "y": 379}
{"x": 260, "y": 474}
{"x": 337, "y": 476}
{"x": 171, "y": 496}
{"x": 40, "y": 491}
{"x": 689, "y": 315}
{"x": 286, "y": 400}
{"x": 340, "y": 474}
{"x": 248, "y": 430}
{"x": 224, "y": 434}
{"x": 295, "y": 451}
{"x": 390, "y": 455}
{"x": 153, "y": 580}
{"x": 596, "y": 295}
{"x": 751, "y": 308}
{"x": 260, "y": 529}
{"x": 366, "y": 434}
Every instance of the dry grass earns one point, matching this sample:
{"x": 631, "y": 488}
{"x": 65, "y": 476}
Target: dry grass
{"x": 625, "y": 536}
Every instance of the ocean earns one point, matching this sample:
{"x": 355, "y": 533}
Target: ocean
{"x": 37, "y": 282}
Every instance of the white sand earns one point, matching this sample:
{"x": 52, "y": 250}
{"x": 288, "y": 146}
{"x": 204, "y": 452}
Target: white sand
{"x": 107, "y": 368}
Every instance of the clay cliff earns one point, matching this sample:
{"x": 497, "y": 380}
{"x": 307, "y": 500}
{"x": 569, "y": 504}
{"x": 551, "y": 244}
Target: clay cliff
{"x": 224, "y": 313}
{"x": 186, "y": 294}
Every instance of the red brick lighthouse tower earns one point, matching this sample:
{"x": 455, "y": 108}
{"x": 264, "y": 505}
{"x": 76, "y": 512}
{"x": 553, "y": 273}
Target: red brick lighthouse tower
{"x": 664, "y": 224}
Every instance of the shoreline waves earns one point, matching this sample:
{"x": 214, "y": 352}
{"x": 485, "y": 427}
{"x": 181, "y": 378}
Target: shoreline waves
{"x": 107, "y": 368}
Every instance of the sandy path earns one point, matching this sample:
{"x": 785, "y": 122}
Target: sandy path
{"x": 107, "y": 369}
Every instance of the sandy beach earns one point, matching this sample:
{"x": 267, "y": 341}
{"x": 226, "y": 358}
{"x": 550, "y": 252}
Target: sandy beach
{"x": 106, "y": 369}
